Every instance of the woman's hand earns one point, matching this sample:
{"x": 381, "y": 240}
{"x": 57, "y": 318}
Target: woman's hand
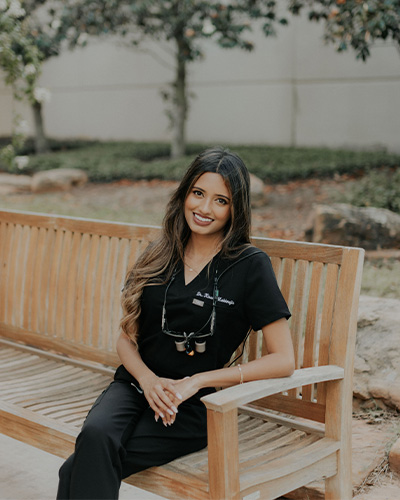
{"x": 186, "y": 387}
{"x": 175, "y": 391}
{"x": 162, "y": 396}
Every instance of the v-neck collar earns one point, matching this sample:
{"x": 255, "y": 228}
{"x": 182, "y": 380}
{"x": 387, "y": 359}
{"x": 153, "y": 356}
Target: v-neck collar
{"x": 210, "y": 263}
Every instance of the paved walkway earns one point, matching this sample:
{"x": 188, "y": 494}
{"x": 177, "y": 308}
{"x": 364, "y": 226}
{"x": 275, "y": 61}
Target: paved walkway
{"x": 27, "y": 473}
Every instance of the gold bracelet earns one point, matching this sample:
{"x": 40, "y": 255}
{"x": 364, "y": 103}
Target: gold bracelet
{"x": 241, "y": 374}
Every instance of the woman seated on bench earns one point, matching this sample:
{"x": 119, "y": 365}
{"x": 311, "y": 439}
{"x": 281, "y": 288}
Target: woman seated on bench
{"x": 188, "y": 303}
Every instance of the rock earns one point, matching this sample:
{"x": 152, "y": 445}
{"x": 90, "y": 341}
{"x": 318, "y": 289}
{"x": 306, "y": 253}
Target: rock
{"x": 388, "y": 392}
{"x": 367, "y": 227}
{"x": 377, "y": 360}
{"x": 366, "y": 316}
{"x": 257, "y": 193}
{"x": 10, "y": 183}
{"x": 60, "y": 179}
{"x": 394, "y": 457}
{"x": 360, "y": 387}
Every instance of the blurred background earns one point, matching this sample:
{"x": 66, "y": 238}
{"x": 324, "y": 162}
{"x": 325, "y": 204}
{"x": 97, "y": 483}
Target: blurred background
{"x": 288, "y": 88}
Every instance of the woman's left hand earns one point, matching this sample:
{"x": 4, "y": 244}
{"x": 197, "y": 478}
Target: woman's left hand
{"x": 186, "y": 387}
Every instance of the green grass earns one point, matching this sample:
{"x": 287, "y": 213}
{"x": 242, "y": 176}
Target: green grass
{"x": 59, "y": 204}
{"x": 381, "y": 278}
{"x": 379, "y": 188}
{"x": 107, "y": 161}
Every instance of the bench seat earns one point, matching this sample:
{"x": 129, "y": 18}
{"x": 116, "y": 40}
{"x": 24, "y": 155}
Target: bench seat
{"x": 51, "y": 396}
{"x": 41, "y": 390}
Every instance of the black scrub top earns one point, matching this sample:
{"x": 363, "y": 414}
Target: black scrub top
{"x": 249, "y": 296}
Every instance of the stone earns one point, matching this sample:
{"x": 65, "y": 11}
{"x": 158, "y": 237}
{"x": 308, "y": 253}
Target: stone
{"x": 10, "y": 183}
{"x": 394, "y": 457}
{"x": 367, "y": 227}
{"x": 257, "y": 193}
{"x": 377, "y": 359}
{"x": 366, "y": 317}
{"x": 59, "y": 179}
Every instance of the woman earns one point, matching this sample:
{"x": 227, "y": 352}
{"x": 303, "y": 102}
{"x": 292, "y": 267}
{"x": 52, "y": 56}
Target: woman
{"x": 188, "y": 303}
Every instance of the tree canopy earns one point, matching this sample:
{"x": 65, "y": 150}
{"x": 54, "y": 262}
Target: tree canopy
{"x": 355, "y": 24}
{"x": 29, "y": 34}
{"x": 19, "y": 57}
{"x": 20, "y": 62}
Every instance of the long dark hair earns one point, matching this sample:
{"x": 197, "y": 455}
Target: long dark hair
{"x": 162, "y": 256}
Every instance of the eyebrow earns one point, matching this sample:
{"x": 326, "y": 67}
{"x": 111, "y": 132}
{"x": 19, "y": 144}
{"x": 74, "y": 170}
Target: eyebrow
{"x": 219, "y": 195}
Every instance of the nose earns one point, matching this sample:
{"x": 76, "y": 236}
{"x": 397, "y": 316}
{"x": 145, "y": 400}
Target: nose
{"x": 205, "y": 206}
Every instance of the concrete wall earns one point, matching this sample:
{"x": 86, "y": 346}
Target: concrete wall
{"x": 291, "y": 90}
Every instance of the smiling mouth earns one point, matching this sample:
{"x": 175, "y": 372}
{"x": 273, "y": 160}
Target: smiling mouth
{"x": 204, "y": 220}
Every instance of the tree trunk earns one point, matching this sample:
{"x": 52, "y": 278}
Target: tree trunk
{"x": 179, "y": 106}
{"x": 41, "y": 144}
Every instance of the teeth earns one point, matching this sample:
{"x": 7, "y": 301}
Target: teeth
{"x": 203, "y": 219}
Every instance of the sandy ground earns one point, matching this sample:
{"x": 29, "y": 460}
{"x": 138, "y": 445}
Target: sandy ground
{"x": 27, "y": 473}
{"x": 388, "y": 488}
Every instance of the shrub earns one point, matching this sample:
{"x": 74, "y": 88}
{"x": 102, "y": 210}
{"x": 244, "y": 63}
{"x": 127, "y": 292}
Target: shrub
{"x": 108, "y": 161}
{"x": 280, "y": 164}
{"x": 379, "y": 188}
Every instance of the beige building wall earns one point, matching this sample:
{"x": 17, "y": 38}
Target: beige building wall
{"x": 291, "y": 90}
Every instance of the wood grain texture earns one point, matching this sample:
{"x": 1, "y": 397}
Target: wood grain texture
{"x": 238, "y": 395}
{"x": 223, "y": 455}
{"x": 60, "y": 289}
{"x": 312, "y": 330}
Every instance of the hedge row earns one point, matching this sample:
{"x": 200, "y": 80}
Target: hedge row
{"x": 109, "y": 161}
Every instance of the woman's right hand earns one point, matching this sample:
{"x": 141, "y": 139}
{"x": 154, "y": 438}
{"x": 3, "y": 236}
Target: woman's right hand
{"x": 160, "y": 393}
{"x": 162, "y": 397}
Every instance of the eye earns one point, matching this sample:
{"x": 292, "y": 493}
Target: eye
{"x": 197, "y": 192}
{"x": 222, "y": 201}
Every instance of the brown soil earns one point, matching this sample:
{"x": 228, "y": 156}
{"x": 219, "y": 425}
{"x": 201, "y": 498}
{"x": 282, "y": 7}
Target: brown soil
{"x": 288, "y": 209}
{"x": 285, "y": 212}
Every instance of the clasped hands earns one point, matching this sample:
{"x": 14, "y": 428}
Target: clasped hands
{"x": 164, "y": 395}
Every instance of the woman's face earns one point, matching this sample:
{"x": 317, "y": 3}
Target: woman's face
{"x": 208, "y": 205}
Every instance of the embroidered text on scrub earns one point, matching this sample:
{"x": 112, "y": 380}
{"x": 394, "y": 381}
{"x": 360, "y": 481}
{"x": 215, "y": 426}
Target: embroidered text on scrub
{"x": 184, "y": 340}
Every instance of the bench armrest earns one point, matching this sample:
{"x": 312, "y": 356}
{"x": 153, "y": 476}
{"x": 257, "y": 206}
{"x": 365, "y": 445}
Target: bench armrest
{"x": 238, "y": 395}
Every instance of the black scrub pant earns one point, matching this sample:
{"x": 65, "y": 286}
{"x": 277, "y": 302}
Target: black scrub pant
{"x": 121, "y": 437}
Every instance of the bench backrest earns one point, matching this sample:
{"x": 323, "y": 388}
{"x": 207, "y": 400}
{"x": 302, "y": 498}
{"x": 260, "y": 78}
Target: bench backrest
{"x": 321, "y": 284}
{"x": 61, "y": 277}
{"x": 61, "y": 280}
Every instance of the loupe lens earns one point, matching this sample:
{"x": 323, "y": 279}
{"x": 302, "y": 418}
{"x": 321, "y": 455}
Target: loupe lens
{"x": 200, "y": 346}
{"x": 180, "y": 346}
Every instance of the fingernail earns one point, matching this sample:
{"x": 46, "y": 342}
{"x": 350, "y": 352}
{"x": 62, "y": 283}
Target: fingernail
{"x": 161, "y": 415}
{"x": 179, "y": 396}
{"x": 156, "y": 418}
{"x": 165, "y": 424}
{"x": 170, "y": 411}
{"x": 175, "y": 409}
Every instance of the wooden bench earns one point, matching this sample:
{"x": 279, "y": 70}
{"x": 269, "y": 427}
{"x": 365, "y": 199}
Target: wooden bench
{"x": 60, "y": 282}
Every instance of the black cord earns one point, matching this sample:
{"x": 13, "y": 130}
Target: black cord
{"x": 244, "y": 345}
